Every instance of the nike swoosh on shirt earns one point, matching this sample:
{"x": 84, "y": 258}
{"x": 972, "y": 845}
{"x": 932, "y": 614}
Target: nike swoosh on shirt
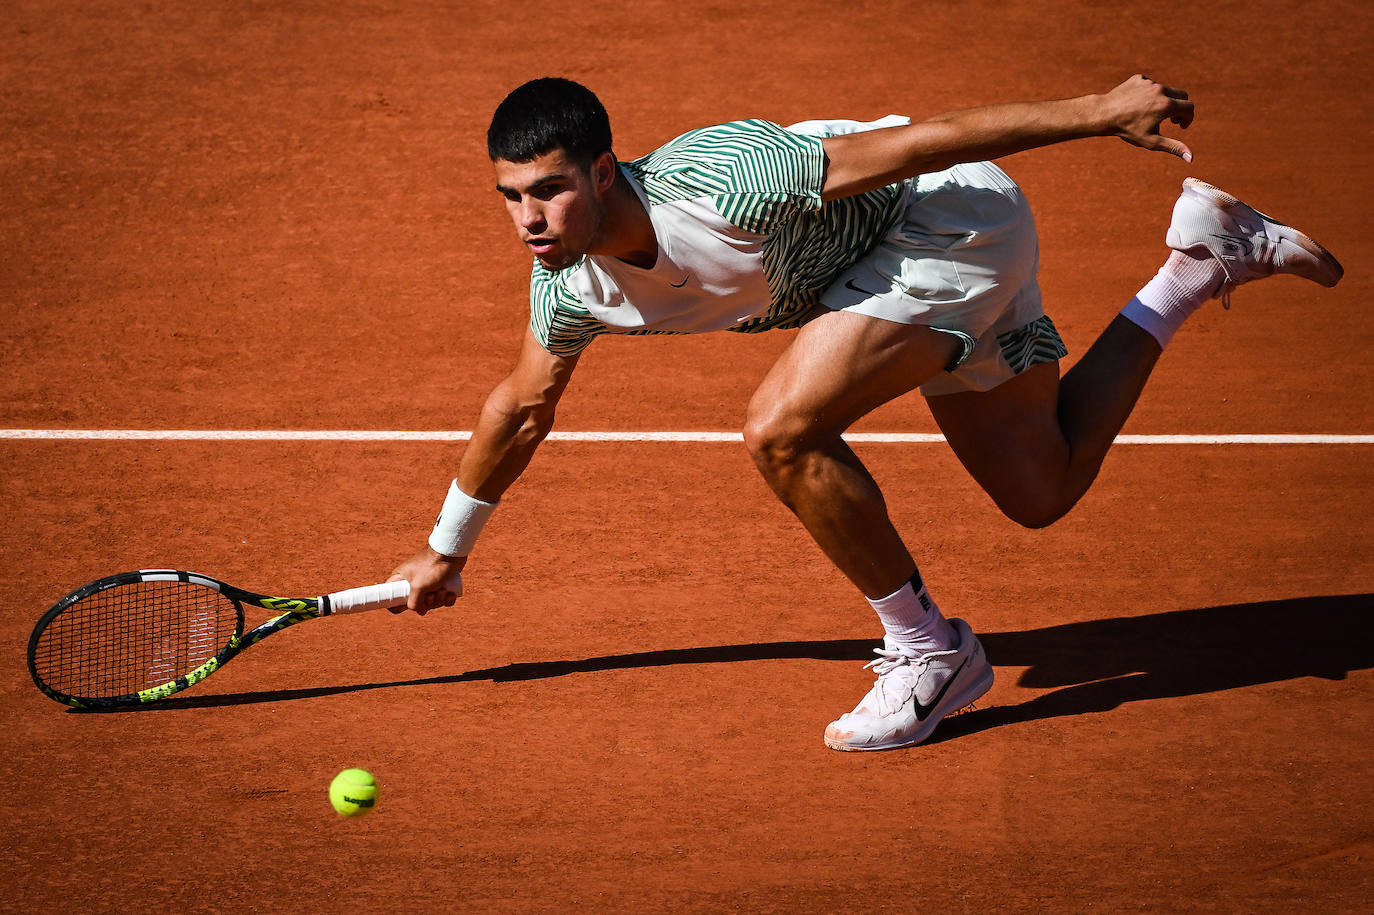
{"x": 849, "y": 284}
{"x": 922, "y": 709}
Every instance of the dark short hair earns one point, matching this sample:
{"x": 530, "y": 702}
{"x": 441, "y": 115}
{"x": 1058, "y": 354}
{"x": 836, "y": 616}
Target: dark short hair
{"x": 547, "y": 114}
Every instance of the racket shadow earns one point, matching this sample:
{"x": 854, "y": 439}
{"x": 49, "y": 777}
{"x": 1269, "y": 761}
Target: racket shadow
{"x": 831, "y": 650}
{"x": 1087, "y": 667}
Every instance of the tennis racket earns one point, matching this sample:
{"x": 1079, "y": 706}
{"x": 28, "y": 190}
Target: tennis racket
{"x": 138, "y": 637}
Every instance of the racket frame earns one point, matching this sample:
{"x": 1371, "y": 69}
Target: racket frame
{"x": 291, "y": 610}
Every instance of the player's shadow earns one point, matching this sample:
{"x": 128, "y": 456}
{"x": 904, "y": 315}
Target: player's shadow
{"x": 1098, "y": 665}
{"x": 1092, "y": 666}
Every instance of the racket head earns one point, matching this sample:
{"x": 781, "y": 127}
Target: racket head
{"x": 134, "y": 637}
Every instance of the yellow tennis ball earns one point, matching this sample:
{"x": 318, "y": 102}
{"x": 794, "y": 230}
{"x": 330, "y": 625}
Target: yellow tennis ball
{"x": 353, "y": 792}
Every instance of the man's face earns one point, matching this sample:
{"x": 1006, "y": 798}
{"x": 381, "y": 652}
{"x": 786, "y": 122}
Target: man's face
{"x": 555, "y": 204}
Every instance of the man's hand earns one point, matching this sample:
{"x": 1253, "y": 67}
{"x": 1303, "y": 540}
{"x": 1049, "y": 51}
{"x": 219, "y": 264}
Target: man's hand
{"x": 1138, "y": 107}
{"x": 434, "y": 581}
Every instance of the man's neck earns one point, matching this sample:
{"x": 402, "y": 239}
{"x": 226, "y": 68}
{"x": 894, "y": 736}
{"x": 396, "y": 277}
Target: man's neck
{"x": 627, "y": 232}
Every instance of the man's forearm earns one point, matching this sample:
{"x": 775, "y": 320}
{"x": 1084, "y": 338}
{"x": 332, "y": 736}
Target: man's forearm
{"x": 994, "y": 131}
{"x": 507, "y": 435}
{"x": 976, "y": 134}
{"x": 1133, "y": 111}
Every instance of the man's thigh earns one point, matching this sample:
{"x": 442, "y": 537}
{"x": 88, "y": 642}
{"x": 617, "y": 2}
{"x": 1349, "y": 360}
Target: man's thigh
{"x": 842, "y": 366}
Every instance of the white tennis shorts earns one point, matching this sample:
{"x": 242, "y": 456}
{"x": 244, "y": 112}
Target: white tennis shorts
{"x": 961, "y": 259}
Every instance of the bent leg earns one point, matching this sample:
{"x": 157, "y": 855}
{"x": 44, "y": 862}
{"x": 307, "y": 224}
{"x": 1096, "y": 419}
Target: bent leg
{"x": 1035, "y": 443}
{"x": 840, "y": 367}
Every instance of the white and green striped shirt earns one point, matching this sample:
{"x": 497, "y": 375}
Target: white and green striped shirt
{"x": 745, "y": 243}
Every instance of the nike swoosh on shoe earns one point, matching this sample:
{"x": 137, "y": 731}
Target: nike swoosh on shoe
{"x": 923, "y": 710}
{"x": 1243, "y": 244}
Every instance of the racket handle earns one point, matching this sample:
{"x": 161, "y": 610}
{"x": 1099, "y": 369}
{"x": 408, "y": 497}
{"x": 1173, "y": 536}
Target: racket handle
{"x": 386, "y": 594}
{"x": 372, "y": 597}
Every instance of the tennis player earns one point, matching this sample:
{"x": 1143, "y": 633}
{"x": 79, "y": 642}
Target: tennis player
{"x": 908, "y": 261}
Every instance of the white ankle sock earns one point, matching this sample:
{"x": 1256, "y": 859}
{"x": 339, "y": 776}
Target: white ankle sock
{"x": 912, "y": 620}
{"x": 1176, "y": 291}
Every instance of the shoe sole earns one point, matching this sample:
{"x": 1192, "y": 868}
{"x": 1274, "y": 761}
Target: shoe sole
{"x": 1326, "y": 272}
{"x": 952, "y": 703}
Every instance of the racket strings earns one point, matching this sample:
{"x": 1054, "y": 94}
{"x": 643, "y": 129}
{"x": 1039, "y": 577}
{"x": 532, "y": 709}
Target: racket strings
{"x": 134, "y": 637}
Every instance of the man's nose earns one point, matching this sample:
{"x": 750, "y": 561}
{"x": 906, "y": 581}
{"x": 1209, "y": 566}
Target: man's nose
{"x": 531, "y": 215}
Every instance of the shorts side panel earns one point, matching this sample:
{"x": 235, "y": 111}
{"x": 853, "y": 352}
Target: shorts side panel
{"x": 1000, "y": 357}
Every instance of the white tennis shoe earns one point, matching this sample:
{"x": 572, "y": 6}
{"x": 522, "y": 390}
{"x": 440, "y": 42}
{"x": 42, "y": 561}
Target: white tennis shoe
{"x": 1248, "y": 244}
{"x": 913, "y": 694}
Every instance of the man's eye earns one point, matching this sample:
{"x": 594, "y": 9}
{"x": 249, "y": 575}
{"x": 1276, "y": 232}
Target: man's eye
{"x": 548, "y": 191}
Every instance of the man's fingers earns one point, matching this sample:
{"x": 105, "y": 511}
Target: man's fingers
{"x": 1161, "y": 143}
{"x": 399, "y": 608}
{"x": 1181, "y": 113}
{"x": 423, "y": 602}
{"x": 1174, "y": 147}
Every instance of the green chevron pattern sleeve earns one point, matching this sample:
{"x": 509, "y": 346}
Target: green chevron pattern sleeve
{"x": 757, "y": 174}
{"x": 560, "y": 323}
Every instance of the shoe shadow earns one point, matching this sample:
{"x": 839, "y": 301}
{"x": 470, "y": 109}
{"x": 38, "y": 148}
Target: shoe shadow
{"x": 1101, "y": 664}
{"x": 1096, "y": 665}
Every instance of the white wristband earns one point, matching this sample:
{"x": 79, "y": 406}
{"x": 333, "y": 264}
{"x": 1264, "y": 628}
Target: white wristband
{"x": 459, "y": 523}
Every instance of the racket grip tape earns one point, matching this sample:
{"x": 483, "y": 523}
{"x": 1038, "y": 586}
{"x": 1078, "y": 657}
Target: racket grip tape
{"x": 372, "y": 597}
{"x": 386, "y": 594}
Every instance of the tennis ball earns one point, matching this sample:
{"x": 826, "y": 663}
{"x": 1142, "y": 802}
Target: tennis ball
{"x": 353, "y": 792}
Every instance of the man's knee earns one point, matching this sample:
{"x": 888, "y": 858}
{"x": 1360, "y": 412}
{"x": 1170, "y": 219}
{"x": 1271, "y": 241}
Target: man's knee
{"x": 1035, "y": 515}
{"x": 769, "y": 441}
{"x": 776, "y": 438}
{"x": 1039, "y": 503}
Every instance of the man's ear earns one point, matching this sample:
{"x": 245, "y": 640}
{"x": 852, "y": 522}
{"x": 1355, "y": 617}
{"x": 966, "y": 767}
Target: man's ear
{"x": 604, "y": 171}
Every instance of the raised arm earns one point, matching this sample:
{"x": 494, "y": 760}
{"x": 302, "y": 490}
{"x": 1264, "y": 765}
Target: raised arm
{"x": 1133, "y": 111}
{"x": 518, "y": 414}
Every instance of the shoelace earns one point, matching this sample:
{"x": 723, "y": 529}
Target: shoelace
{"x": 886, "y": 663}
{"x": 1265, "y": 247}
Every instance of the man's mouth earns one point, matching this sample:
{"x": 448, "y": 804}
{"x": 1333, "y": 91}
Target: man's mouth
{"x": 541, "y": 245}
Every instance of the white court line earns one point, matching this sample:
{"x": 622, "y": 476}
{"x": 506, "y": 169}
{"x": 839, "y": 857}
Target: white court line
{"x": 357, "y": 435}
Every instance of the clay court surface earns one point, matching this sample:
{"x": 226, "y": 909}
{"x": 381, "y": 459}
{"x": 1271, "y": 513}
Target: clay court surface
{"x": 227, "y": 216}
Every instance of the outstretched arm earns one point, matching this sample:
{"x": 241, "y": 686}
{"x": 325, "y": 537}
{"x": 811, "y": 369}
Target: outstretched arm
{"x": 517, "y": 416}
{"x": 1133, "y": 111}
